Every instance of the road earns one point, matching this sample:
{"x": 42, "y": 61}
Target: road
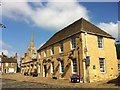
{"x": 7, "y": 83}
{"x": 20, "y": 81}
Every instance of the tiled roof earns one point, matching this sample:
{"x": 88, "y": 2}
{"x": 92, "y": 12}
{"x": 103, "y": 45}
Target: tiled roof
{"x": 78, "y": 26}
{"x": 8, "y": 60}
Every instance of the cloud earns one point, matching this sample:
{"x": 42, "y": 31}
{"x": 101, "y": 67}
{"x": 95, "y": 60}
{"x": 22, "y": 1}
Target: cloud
{"x": 111, "y": 28}
{"x": 50, "y": 15}
{"x": 4, "y": 51}
{"x": 4, "y": 45}
{"x": 7, "y": 53}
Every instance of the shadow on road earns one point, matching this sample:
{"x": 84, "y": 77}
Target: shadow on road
{"x": 115, "y": 81}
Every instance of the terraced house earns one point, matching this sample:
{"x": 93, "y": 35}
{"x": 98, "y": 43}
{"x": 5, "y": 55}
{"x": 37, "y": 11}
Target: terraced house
{"x": 80, "y": 49}
{"x": 8, "y": 65}
{"x": 29, "y": 60}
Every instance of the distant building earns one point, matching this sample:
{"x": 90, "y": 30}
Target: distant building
{"x": 8, "y": 65}
{"x": 80, "y": 49}
{"x": 29, "y": 60}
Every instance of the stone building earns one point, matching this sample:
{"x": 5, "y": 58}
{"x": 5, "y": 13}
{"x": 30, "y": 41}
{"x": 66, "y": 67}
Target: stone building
{"x": 8, "y": 65}
{"x": 80, "y": 49}
{"x": 29, "y": 60}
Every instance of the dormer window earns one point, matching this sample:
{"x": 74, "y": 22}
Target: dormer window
{"x": 52, "y": 50}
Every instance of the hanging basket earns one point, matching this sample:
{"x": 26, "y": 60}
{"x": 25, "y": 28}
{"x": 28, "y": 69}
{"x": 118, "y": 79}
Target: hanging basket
{"x": 59, "y": 59}
{"x": 71, "y": 57}
{"x": 49, "y": 60}
{"x": 44, "y": 61}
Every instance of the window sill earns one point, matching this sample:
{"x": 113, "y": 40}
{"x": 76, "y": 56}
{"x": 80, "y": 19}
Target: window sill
{"x": 61, "y": 52}
{"x": 101, "y": 48}
{"x": 61, "y": 72}
{"x": 72, "y": 48}
{"x": 103, "y": 72}
{"x": 74, "y": 72}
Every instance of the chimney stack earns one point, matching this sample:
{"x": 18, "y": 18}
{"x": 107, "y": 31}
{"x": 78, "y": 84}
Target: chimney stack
{"x": 2, "y": 53}
{"x": 16, "y": 56}
{"x": 25, "y": 54}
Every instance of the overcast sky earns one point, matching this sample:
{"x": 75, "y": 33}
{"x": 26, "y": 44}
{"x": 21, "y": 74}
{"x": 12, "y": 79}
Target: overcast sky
{"x": 46, "y": 18}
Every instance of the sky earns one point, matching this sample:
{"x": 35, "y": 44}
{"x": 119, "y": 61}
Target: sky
{"x": 45, "y": 18}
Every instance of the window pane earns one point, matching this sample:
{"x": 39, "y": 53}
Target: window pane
{"x": 74, "y": 66}
{"x": 45, "y": 53}
{"x": 73, "y": 42}
{"x": 52, "y": 67}
{"x": 62, "y": 66}
{"x": 102, "y": 64}
{"x": 52, "y": 50}
{"x": 100, "y": 43}
{"x": 61, "y": 47}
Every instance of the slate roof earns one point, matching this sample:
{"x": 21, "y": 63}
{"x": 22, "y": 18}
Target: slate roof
{"x": 78, "y": 26}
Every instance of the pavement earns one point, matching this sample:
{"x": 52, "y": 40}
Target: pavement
{"x": 22, "y": 81}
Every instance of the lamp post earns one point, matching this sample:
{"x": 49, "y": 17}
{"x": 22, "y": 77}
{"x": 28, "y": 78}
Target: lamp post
{"x": 2, "y": 25}
{"x": 117, "y": 41}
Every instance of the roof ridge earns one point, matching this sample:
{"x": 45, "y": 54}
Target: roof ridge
{"x": 63, "y": 29}
{"x": 73, "y": 28}
{"x": 95, "y": 26}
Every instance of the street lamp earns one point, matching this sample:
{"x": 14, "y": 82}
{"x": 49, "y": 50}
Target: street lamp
{"x": 118, "y": 41}
{"x": 2, "y": 25}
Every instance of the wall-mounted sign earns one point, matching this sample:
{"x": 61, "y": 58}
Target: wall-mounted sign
{"x": 87, "y": 60}
{"x": 85, "y": 49}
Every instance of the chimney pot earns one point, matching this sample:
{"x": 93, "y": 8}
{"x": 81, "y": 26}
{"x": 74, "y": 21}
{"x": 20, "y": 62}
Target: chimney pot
{"x": 2, "y": 53}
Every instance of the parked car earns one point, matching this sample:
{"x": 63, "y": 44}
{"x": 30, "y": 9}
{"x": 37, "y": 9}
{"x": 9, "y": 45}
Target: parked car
{"x": 35, "y": 74}
{"x": 26, "y": 74}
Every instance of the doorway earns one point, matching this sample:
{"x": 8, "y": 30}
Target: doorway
{"x": 45, "y": 70}
{"x": 5, "y": 71}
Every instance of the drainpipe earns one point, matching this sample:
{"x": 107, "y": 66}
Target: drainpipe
{"x": 78, "y": 48}
{"x": 86, "y": 45}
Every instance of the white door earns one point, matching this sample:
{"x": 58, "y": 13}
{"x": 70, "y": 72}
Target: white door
{"x": 11, "y": 70}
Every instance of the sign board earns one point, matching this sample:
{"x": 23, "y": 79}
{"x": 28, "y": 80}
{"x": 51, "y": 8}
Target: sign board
{"x": 87, "y": 60}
